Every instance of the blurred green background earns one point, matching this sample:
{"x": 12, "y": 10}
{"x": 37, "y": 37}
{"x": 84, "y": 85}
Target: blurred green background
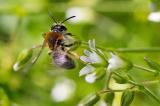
{"x": 113, "y": 23}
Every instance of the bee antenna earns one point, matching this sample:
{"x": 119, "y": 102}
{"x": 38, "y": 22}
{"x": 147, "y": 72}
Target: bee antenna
{"x": 52, "y": 17}
{"x": 67, "y": 19}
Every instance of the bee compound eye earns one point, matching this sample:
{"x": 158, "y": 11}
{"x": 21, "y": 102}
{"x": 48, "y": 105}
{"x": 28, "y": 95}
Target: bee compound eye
{"x": 63, "y": 60}
{"x": 63, "y": 28}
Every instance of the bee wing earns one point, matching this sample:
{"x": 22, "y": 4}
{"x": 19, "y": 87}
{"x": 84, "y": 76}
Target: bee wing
{"x": 39, "y": 53}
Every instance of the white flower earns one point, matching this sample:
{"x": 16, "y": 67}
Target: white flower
{"x": 91, "y": 78}
{"x": 87, "y": 69}
{"x": 91, "y": 57}
{"x": 63, "y": 90}
{"x": 154, "y": 17}
{"x": 92, "y": 44}
{"x": 115, "y": 62}
{"x": 82, "y": 14}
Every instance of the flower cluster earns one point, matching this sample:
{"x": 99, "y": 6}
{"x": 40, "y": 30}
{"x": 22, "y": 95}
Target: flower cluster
{"x": 97, "y": 63}
{"x": 92, "y": 59}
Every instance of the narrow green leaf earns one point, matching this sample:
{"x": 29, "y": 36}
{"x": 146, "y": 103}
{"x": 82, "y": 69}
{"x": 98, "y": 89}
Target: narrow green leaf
{"x": 150, "y": 93}
{"x": 89, "y": 100}
{"x": 109, "y": 98}
{"x": 152, "y": 64}
{"x": 4, "y": 100}
{"x": 22, "y": 59}
{"x": 121, "y": 80}
{"x": 127, "y": 98}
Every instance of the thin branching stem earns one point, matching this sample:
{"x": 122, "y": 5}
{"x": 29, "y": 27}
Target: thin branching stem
{"x": 126, "y": 50}
{"x": 108, "y": 79}
{"x": 145, "y": 69}
{"x": 117, "y": 90}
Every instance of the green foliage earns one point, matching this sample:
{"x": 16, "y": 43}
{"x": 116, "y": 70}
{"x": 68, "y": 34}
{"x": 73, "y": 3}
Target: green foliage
{"x": 154, "y": 65}
{"x": 90, "y": 100}
{"x": 4, "y": 100}
{"x": 22, "y": 59}
{"x": 127, "y": 98}
{"x": 121, "y": 27}
{"x": 109, "y": 97}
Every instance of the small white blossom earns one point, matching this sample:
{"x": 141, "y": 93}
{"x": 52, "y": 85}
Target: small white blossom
{"x": 91, "y": 57}
{"x": 91, "y": 78}
{"x": 63, "y": 90}
{"x": 154, "y": 17}
{"x": 92, "y": 44}
{"x": 115, "y": 62}
{"x": 87, "y": 69}
{"x": 82, "y": 14}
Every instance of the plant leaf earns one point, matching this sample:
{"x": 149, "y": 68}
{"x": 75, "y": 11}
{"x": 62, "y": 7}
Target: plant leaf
{"x": 89, "y": 100}
{"x": 152, "y": 64}
{"x": 127, "y": 98}
{"x": 22, "y": 59}
{"x": 109, "y": 97}
{"x": 150, "y": 93}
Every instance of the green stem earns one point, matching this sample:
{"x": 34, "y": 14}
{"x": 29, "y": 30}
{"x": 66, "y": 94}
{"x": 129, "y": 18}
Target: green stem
{"x": 154, "y": 49}
{"x": 150, "y": 82}
{"x": 129, "y": 81}
{"x": 108, "y": 79}
{"x": 109, "y": 90}
{"x": 118, "y": 90}
{"x": 126, "y": 50}
{"x": 147, "y": 91}
{"x": 145, "y": 69}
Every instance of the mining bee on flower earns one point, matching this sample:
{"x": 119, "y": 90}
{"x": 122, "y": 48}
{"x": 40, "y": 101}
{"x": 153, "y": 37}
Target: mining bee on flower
{"x": 60, "y": 43}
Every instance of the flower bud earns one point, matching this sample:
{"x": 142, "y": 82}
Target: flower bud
{"x": 22, "y": 59}
{"x": 96, "y": 75}
{"x": 152, "y": 64}
{"x": 116, "y": 62}
{"x": 127, "y": 98}
{"x": 109, "y": 98}
{"x": 89, "y": 100}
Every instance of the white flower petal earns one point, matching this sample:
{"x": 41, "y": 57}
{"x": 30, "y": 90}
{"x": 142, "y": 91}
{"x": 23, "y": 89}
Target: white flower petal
{"x": 85, "y": 59}
{"x": 87, "y": 52}
{"x": 95, "y": 58}
{"x": 115, "y": 62}
{"x": 92, "y": 44}
{"x": 85, "y": 70}
{"x": 91, "y": 78}
{"x": 63, "y": 90}
{"x": 154, "y": 17}
{"x": 16, "y": 66}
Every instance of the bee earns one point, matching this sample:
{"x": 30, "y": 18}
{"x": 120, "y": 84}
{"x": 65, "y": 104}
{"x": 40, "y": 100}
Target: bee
{"x": 59, "y": 42}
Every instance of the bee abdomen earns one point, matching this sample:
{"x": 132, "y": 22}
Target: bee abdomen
{"x": 63, "y": 60}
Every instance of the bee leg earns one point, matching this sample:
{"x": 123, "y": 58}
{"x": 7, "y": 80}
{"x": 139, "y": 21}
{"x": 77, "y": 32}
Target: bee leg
{"x": 39, "y": 53}
{"x": 69, "y": 45}
{"x": 49, "y": 52}
{"x": 44, "y": 35}
{"x": 73, "y": 54}
{"x": 69, "y": 34}
{"x": 73, "y": 45}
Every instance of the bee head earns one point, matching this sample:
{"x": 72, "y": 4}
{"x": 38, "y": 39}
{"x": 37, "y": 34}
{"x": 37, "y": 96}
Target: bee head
{"x": 59, "y": 28}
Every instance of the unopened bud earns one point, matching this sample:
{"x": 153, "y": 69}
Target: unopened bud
{"x": 22, "y": 59}
{"x": 127, "y": 98}
{"x": 89, "y": 100}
